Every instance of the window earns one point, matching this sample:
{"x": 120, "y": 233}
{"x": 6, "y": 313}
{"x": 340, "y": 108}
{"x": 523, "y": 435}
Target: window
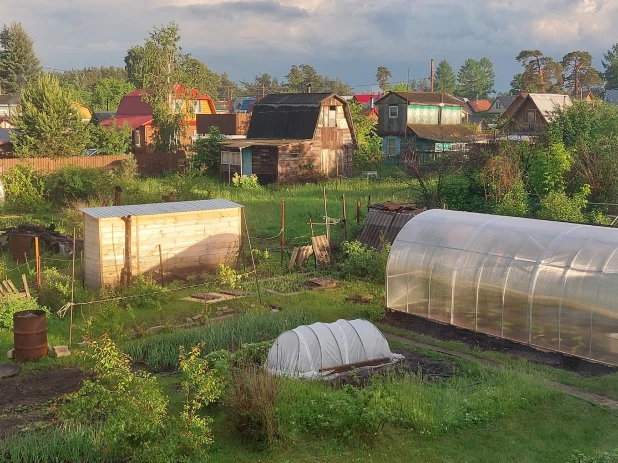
{"x": 498, "y": 105}
{"x": 294, "y": 155}
{"x": 530, "y": 116}
{"x": 393, "y": 111}
{"x": 332, "y": 116}
{"x": 235, "y": 158}
{"x": 390, "y": 146}
{"x": 225, "y": 157}
{"x": 137, "y": 138}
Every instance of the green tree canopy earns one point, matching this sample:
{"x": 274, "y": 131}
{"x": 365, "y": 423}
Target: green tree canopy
{"x": 201, "y": 78}
{"x": 578, "y": 73}
{"x": 517, "y": 84}
{"x": 541, "y": 73}
{"x": 107, "y": 93}
{"x": 610, "y": 65}
{"x": 476, "y": 78}
{"x": 227, "y": 89}
{"x": 18, "y": 62}
{"x": 369, "y": 152}
{"x": 445, "y": 79}
{"x": 382, "y": 76}
{"x": 48, "y": 125}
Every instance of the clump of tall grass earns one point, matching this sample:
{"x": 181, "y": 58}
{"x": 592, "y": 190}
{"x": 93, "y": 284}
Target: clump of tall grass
{"x": 161, "y": 351}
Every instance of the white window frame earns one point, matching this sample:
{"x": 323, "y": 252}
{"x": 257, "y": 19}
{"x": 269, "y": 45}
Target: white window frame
{"x": 225, "y": 158}
{"x": 137, "y": 137}
{"x": 235, "y": 158}
{"x": 393, "y": 114}
{"x": 391, "y": 150}
{"x": 294, "y": 155}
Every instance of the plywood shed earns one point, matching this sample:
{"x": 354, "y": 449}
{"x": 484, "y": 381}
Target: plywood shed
{"x": 548, "y": 284}
{"x": 121, "y": 242}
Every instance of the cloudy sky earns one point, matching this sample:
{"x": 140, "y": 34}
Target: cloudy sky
{"x": 348, "y": 39}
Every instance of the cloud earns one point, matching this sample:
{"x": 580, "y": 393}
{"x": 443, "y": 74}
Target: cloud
{"x": 343, "y": 38}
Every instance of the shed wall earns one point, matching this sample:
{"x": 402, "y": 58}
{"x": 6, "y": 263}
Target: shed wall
{"x": 190, "y": 241}
{"x": 549, "y": 284}
{"x": 92, "y": 256}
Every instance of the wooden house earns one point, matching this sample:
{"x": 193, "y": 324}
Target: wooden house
{"x": 136, "y": 112}
{"x": 121, "y": 242}
{"x": 500, "y": 105}
{"x": 9, "y": 105}
{"x": 422, "y": 121}
{"x": 531, "y": 114}
{"x": 290, "y": 130}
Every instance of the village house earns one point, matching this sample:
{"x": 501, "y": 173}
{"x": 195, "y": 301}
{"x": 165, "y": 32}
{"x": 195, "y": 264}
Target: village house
{"x": 9, "y": 105}
{"x": 135, "y": 112}
{"x": 529, "y": 114}
{"x": 424, "y": 122}
{"x": 500, "y": 105}
{"x": 291, "y": 130}
{"x": 6, "y": 142}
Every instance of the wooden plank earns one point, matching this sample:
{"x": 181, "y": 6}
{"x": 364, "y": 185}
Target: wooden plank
{"x": 292, "y": 263}
{"x": 7, "y": 288}
{"x": 321, "y": 249}
{"x": 26, "y": 288}
{"x": 15, "y": 290}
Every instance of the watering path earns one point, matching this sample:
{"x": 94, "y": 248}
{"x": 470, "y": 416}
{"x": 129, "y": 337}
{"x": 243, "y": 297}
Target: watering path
{"x": 594, "y": 399}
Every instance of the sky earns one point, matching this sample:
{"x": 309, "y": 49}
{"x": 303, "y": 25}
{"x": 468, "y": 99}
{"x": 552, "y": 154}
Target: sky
{"x": 347, "y": 39}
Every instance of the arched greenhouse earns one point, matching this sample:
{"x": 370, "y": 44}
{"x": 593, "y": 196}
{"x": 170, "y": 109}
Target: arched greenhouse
{"x": 548, "y": 284}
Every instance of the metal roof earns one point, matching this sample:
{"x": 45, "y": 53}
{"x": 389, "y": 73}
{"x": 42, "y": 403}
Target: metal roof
{"x": 428, "y": 98}
{"x": 260, "y": 142}
{"x": 314, "y": 99}
{"x": 159, "y": 208}
{"x": 547, "y": 103}
{"x": 442, "y": 133}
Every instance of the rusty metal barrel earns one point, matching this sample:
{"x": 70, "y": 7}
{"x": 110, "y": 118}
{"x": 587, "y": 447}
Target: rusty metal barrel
{"x": 30, "y": 335}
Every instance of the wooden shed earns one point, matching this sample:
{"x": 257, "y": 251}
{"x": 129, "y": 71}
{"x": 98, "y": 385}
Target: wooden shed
{"x": 183, "y": 237}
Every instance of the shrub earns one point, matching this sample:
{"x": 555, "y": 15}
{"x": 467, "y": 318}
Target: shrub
{"x": 115, "y": 139}
{"x": 24, "y": 189}
{"x": 206, "y": 152}
{"x": 365, "y": 262}
{"x": 127, "y": 170}
{"x": 128, "y": 408}
{"x": 247, "y": 182}
{"x": 12, "y": 304}
{"x": 228, "y": 276}
{"x": 143, "y": 294}
{"x": 74, "y": 182}
{"x": 558, "y": 206}
{"x": 514, "y": 203}
{"x": 599, "y": 457}
{"x": 107, "y": 319}
{"x": 56, "y": 290}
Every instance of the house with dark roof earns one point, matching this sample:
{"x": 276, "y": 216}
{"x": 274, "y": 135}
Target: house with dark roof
{"x": 422, "y": 122}
{"x": 500, "y": 105}
{"x": 9, "y": 105}
{"x": 530, "y": 114}
{"x": 137, "y": 113}
{"x": 6, "y": 142}
{"x": 291, "y": 130}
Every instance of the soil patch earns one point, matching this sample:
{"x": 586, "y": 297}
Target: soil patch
{"x": 432, "y": 370}
{"x": 473, "y": 339}
{"x": 23, "y": 397}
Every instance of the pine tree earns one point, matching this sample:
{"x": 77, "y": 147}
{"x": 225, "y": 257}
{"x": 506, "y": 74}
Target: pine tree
{"x": 578, "y": 73}
{"x": 382, "y": 76}
{"x": 476, "y": 78}
{"x": 48, "y": 125}
{"x": 445, "y": 79}
{"x": 18, "y": 62}
{"x": 611, "y": 68}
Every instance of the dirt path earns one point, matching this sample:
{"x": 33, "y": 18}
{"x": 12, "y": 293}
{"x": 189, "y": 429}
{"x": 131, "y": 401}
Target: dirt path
{"x": 594, "y": 399}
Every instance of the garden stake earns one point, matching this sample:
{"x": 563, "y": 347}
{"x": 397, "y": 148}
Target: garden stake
{"x": 345, "y": 218}
{"x": 72, "y": 290}
{"x": 257, "y": 282}
{"x": 358, "y": 212}
{"x": 326, "y": 215}
{"x": 282, "y": 229}
{"x": 37, "y": 261}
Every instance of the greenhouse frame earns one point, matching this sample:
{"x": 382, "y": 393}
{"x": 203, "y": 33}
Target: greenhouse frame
{"x": 548, "y": 284}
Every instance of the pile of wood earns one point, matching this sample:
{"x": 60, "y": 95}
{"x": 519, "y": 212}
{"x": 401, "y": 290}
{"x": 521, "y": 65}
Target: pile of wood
{"x": 52, "y": 240}
{"x": 390, "y": 206}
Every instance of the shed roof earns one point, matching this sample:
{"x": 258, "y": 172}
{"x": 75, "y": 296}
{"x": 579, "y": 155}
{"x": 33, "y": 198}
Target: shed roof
{"x": 159, "y": 208}
{"x": 428, "y": 98}
{"x": 442, "y": 133}
{"x": 133, "y": 121}
{"x": 259, "y": 142}
{"x": 547, "y": 103}
{"x": 8, "y": 99}
{"x": 478, "y": 106}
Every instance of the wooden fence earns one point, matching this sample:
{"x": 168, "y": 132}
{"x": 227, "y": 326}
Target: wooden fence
{"x": 148, "y": 163}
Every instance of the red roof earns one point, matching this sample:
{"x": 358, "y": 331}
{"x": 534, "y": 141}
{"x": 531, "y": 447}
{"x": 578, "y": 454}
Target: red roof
{"x": 479, "y": 105}
{"x": 132, "y": 105}
{"x": 364, "y": 98}
{"x": 133, "y": 121}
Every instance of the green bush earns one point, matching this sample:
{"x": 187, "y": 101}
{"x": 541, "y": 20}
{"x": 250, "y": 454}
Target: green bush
{"x": 206, "y": 152}
{"x": 365, "y": 262}
{"x": 127, "y": 408}
{"x": 560, "y": 207}
{"x": 12, "y": 304}
{"x": 56, "y": 290}
{"x": 244, "y": 181}
{"x": 24, "y": 189}
{"x": 74, "y": 182}
{"x": 115, "y": 139}
{"x": 599, "y": 457}
{"x": 127, "y": 170}
{"x": 143, "y": 294}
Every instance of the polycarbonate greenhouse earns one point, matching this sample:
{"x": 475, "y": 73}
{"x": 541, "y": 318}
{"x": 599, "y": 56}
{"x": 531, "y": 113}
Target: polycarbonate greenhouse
{"x": 548, "y": 284}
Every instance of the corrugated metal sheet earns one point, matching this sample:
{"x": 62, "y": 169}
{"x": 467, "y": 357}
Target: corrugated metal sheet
{"x": 159, "y": 208}
{"x": 429, "y": 98}
{"x": 442, "y": 133}
{"x": 383, "y": 225}
{"x": 314, "y": 99}
{"x": 547, "y": 103}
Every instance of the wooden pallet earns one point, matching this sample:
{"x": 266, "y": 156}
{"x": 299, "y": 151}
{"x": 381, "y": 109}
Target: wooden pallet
{"x": 7, "y": 288}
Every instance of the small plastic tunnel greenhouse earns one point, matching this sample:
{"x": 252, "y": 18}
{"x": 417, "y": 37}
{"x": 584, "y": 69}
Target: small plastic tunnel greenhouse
{"x": 549, "y": 284}
{"x": 314, "y": 350}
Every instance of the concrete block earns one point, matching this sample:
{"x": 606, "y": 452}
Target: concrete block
{"x": 61, "y": 351}
{"x": 11, "y": 354}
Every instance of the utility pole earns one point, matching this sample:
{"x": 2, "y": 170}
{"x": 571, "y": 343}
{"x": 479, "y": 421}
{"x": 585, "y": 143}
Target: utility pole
{"x": 431, "y": 78}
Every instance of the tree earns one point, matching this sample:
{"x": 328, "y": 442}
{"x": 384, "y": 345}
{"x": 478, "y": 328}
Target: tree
{"x": 18, "y": 62}
{"x": 476, "y": 78}
{"x": 48, "y": 125}
{"x": 578, "y": 73}
{"x": 517, "y": 84}
{"x": 107, "y": 93}
{"x": 200, "y": 77}
{"x": 158, "y": 66}
{"x": 611, "y": 67}
{"x": 227, "y": 90}
{"x": 382, "y": 76}
{"x": 206, "y": 153}
{"x": 115, "y": 139}
{"x": 262, "y": 84}
{"x": 541, "y": 73}
{"x": 369, "y": 152}
{"x": 445, "y": 79}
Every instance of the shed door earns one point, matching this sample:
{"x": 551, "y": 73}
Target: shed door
{"x": 324, "y": 161}
{"x": 246, "y": 162}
